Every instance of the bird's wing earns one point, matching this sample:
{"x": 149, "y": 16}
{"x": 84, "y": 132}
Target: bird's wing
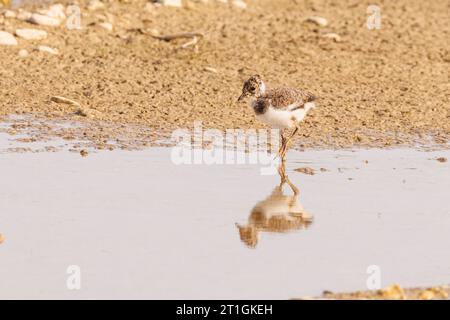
{"x": 285, "y": 98}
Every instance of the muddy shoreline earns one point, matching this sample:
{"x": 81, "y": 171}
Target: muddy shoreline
{"x": 77, "y": 135}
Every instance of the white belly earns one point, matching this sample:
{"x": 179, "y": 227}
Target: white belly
{"x": 282, "y": 119}
{"x": 281, "y": 206}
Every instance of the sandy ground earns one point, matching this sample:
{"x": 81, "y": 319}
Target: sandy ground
{"x": 393, "y": 292}
{"x": 376, "y": 87}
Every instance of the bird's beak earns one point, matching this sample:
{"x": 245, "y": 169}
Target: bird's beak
{"x": 241, "y": 97}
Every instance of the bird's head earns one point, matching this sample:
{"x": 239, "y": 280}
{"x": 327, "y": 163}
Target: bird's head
{"x": 253, "y": 87}
{"x": 248, "y": 235}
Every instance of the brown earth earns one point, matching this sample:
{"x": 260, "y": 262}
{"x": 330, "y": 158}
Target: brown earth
{"x": 375, "y": 87}
{"x": 393, "y": 292}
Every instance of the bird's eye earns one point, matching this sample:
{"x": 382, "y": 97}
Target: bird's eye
{"x": 252, "y": 89}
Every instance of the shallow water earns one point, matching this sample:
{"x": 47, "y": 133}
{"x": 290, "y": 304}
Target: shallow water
{"x": 139, "y": 226}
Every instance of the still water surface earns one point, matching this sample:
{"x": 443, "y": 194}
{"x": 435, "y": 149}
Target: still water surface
{"x": 139, "y": 226}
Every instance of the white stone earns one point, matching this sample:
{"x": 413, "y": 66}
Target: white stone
{"x": 48, "y": 50}
{"x": 318, "y": 20}
{"x": 210, "y": 69}
{"x": 31, "y": 34}
{"x": 44, "y": 20}
{"x": 59, "y": 99}
{"x": 100, "y": 17}
{"x": 54, "y": 11}
{"x": 9, "y": 14}
{"x": 239, "y": 4}
{"x": 172, "y": 3}
{"x": 333, "y": 36}
{"x": 7, "y": 39}
{"x": 23, "y": 53}
{"x": 154, "y": 32}
{"x": 95, "y": 5}
{"x": 23, "y": 15}
{"x": 106, "y": 25}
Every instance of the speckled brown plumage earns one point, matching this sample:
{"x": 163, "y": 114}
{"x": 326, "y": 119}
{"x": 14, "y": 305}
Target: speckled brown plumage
{"x": 283, "y": 97}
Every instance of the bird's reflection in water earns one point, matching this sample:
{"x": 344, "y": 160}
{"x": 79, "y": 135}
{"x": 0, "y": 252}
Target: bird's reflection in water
{"x": 279, "y": 212}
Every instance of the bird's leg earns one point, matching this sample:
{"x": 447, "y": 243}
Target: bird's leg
{"x": 282, "y": 173}
{"x": 293, "y": 187}
{"x": 283, "y": 142}
{"x": 288, "y": 140}
{"x": 285, "y": 179}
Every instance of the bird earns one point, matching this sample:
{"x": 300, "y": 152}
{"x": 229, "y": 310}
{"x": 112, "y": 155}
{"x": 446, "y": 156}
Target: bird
{"x": 281, "y": 108}
{"x": 279, "y": 212}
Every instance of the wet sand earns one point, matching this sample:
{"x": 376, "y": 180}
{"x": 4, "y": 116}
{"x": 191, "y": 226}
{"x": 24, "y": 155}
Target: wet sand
{"x": 394, "y": 292}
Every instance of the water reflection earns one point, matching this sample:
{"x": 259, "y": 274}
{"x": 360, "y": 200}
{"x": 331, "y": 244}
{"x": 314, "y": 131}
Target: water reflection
{"x": 279, "y": 212}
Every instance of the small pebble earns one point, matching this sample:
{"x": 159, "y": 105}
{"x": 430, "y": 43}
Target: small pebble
{"x": 81, "y": 112}
{"x": 171, "y": 3}
{"x": 333, "y": 36}
{"x": 54, "y": 11}
{"x": 95, "y": 5}
{"x": 306, "y": 170}
{"x": 44, "y": 20}
{"x": 239, "y": 4}
{"x": 426, "y": 295}
{"x": 87, "y": 112}
{"x": 9, "y": 14}
{"x": 154, "y": 32}
{"x": 23, "y": 53}
{"x": 59, "y": 99}
{"x": 441, "y": 159}
{"x": 31, "y": 34}
{"x": 84, "y": 153}
{"x": 7, "y": 39}
{"x": 48, "y": 50}
{"x": 318, "y": 20}
{"x": 23, "y": 15}
{"x": 106, "y": 25}
{"x": 210, "y": 69}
